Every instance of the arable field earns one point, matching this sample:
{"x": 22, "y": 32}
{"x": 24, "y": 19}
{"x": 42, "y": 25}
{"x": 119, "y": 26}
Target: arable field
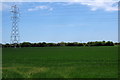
{"x": 60, "y": 62}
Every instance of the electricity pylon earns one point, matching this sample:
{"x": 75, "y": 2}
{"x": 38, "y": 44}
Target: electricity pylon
{"x": 15, "y": 38}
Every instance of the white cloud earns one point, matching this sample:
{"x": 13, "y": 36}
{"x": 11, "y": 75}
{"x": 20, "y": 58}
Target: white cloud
{"x": 107, "y": 5}
{"x": 4, "y": 6}
{"x": 40, "y": 8}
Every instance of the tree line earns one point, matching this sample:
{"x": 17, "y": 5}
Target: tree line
{"x": 44, "y": 44}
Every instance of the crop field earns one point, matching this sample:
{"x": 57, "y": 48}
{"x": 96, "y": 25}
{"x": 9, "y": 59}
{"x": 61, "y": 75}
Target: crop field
{"x": 60, "y": 62}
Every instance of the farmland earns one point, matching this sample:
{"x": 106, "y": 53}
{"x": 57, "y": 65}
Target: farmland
{"x": 60, "y": 62}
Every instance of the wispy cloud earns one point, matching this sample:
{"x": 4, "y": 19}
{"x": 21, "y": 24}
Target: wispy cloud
{"x": 4, "y": 6}
{"x": 107, "y": 5}
{"x": 41, "y": 8}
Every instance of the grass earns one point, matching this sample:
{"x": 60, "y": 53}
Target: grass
{"x": 60, "y": 62}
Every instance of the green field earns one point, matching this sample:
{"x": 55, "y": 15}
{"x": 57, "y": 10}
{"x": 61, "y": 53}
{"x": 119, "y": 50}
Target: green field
{"x": 60, "y": 62}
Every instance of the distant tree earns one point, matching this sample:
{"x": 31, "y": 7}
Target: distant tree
{"x": 61, "y": 44}
{"x": 103, "y": 43}
{"x": 81, "y": 44}
{"x": 51, "y": 44}
{"x": 116, "y": 43}
{"x": 6, "y": 45}
{"x": 109, "y": 43}
{"x": 44, "y": 44}
{"x": 99, "y": 43}
{"x": 26, "y": 44}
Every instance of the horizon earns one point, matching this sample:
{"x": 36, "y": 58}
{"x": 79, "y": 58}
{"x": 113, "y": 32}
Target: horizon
{"x": 61, "y": 42}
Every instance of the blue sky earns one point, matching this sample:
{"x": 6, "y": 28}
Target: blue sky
{"x": 62, "y": 21}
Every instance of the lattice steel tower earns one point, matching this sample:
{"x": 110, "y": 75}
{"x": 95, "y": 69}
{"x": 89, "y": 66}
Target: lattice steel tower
{"x": 15, "y": 37}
